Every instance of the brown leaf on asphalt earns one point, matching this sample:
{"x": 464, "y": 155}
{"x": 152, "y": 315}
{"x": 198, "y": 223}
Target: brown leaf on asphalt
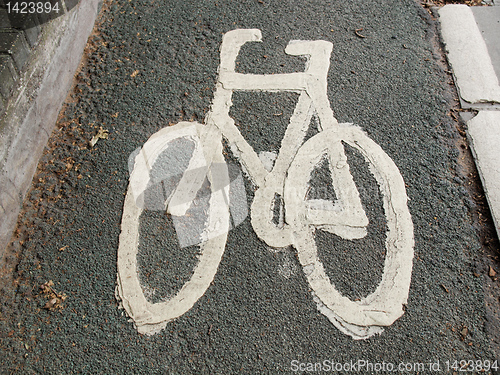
{"x": 55, "y": 299}
{"x": 492, "y": 272}
{"x": 47, "y": 287}
{"x": 464, "y": 333}
{"x": 50, "y": 304}
{"x": 101, "y": 134}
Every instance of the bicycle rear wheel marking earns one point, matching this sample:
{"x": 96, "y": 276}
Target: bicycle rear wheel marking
{"x": 150, "y": 318}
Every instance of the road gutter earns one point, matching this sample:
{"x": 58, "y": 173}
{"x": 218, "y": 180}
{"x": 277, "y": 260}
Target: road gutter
{"x": 32, "y": 112}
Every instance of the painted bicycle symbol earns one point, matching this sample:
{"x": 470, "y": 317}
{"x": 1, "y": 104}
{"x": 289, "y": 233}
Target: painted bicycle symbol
{"x": 289, "y": 179}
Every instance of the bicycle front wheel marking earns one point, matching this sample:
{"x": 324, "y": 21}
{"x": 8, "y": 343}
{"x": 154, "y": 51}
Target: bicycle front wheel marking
{"x": 364, "y": 318}
{"x": 150, "y": 318}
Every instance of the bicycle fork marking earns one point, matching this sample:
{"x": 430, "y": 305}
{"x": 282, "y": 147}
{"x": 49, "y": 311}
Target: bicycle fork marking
{"x": 289, "y": 177}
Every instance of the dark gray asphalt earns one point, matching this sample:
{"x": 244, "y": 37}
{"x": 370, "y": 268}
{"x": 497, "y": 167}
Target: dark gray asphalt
{"x": 154, "y": 63}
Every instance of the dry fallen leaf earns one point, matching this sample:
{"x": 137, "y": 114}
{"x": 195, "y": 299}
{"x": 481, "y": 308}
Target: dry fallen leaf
{"x": 464, "y": 332}
{"x": 101, "y": 134}
{"x": 55, "y": 299}
{"x": 50, "y": 304}
{"x": 134, "y": 73}
{"x": 47, "y": 287}
{"x": 492, "y": 272}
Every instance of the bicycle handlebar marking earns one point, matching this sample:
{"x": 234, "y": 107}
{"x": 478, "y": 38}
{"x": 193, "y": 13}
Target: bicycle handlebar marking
{"x": 289, "y": 178}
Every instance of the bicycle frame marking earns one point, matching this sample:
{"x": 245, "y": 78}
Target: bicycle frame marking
{"x": 289, "y": 178}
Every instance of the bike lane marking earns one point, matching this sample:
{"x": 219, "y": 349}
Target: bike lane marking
{"x": 293, "y": 165}
{"x": 253, "y": 319}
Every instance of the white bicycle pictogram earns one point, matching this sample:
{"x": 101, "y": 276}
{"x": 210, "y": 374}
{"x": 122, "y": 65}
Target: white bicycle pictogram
{"x": 289, "y": 178}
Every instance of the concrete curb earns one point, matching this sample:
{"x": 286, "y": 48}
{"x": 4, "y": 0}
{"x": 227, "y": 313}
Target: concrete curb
{"x": 31, "y": 113}
{"x": 484, "y": 137}
{"x": 469, "y": 57}
{"x": 471, "y": 39}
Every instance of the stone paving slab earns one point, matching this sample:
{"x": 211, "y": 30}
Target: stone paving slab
{"x": 472, "y": 39}
{"x": 484, "y": 137}
{"x": 469, "y": 56}
{"x": 488, "y": 22}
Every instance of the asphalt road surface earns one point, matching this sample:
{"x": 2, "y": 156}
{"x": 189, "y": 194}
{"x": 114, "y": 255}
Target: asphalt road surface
{"x": 151, "y": 64}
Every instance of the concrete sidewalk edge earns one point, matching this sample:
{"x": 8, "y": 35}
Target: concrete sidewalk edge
{"x": 479, "y": 89}
{"x": 32, "y": 113}
{"x": 468, "y": 55}
{"x": 483, "y": 132}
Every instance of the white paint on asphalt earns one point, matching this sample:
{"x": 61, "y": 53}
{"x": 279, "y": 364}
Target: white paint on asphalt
{"x": 267, "y": 159}
{"x": 360, "y": 319}
{"x": 287, "y": 175}
{"x": 355, "y": 331}
{"x": 150, "y": 318}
